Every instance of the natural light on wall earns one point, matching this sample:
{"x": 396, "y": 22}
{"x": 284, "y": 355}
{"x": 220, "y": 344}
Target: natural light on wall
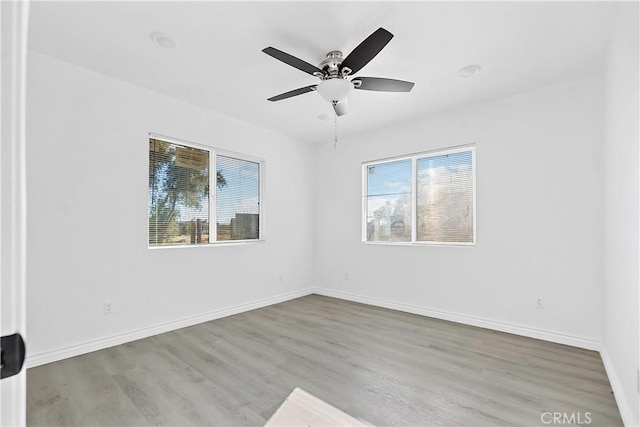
{"x": 186, "y": 207}
{"x": 423, "y": 198}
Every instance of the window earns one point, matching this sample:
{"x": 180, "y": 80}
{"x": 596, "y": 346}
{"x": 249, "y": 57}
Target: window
{"x": 422, "y": 198}
{"x": 237, "y": 199}
{"x": 389, "y": 201}
{"x": 187, "y": 207}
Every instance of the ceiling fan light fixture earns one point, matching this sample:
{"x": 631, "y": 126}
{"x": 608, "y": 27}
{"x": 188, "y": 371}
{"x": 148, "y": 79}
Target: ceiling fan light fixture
{"x": 334, "y": 89}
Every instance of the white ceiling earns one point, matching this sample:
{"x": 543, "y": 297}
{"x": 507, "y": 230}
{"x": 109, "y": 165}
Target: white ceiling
{"x": 218, "y": 63}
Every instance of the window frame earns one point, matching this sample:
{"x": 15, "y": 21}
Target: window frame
{"x": 414, "y": 157}
{"x": 213, "y": 190}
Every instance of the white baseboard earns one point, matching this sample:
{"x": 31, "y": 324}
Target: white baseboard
{"x": 618, "y": 391}
{"x": 526, "y": 331}
{"x": 38, "y": 359}
{"x": 101, "y": 343}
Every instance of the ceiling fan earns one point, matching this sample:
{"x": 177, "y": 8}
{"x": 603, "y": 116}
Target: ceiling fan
{"x": 335, "y": 71}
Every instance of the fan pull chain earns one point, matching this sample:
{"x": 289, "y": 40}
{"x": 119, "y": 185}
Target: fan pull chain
{"x": 335, "y": 131}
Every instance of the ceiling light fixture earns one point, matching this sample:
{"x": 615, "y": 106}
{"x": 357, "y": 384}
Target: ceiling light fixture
{"x": 335, "y": 90}
{"x": 163, "y": 40}
{"x": 469, "y": 70}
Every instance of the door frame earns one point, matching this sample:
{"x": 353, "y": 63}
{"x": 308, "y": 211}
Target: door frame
{"x": 14, "y": 17}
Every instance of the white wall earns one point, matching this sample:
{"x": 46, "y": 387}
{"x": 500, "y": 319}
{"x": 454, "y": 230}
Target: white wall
{"x": 87, "y": 215}
{"x": 621, "y": 214}
{"x": 539, "y": 221}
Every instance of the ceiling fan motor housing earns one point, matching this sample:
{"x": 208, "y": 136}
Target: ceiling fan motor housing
{"x": 331, "y": 64}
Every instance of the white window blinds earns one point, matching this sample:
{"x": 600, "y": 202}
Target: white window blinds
{"x": 445, "y": 208}
{"x": 188, "y": 206}
{"x": 237, "y": 199}
{"x": 178, "y": 194}
{"x": 423, "y": 198}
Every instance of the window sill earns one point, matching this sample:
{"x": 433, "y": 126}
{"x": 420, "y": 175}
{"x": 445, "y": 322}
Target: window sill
{"x": 444, "y": 244}
{"x": 212, "y": 244}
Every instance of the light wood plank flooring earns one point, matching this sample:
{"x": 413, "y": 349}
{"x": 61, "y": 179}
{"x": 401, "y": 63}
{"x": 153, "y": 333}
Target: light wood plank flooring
{"x": 382, "y": 366}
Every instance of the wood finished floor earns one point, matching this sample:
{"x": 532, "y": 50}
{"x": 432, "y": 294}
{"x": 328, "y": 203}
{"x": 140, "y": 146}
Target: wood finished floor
{"x": 378, "y": 365}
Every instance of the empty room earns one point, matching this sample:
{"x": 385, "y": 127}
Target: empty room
{"x": 422, "y": 213}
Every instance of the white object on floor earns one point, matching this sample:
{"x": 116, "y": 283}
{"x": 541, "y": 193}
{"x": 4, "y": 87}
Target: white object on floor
{"x": 304, "y": 409}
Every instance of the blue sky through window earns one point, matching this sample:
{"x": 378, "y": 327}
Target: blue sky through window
{"x": 452, "y": 162}
{"x": 394, "y": 177}
{"x": 391, "y": 178}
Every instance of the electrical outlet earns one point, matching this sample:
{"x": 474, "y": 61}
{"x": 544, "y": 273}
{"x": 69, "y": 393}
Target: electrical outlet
{"x": 346, "y": 276}
{"x": 281, "y": 278}
{"x": 108, "y": 307}
{"x": 539, "y": 302}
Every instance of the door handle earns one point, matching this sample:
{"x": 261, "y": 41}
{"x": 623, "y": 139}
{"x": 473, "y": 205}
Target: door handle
{"x": 12, "y": 353}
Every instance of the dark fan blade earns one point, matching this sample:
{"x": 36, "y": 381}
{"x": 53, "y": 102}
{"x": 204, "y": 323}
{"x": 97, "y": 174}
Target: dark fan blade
{"x": 294, "y": 92}
{"x": 292, "y": 60}
{"x": 382, "y": 85}
{"x": 341, "y": 108}
{"x": 366, "y": 51}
